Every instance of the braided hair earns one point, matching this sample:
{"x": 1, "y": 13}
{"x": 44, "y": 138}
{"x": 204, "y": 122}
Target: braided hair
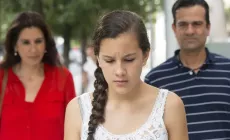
{"x": 110, "y": 26}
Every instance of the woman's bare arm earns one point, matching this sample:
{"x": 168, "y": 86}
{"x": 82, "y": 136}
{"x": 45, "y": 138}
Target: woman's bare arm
{"x": 175, "y": 118}
{"x": 73, "y": 120}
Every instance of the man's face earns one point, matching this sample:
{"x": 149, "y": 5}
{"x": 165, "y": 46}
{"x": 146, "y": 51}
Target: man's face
{"x": 191, "y": 28}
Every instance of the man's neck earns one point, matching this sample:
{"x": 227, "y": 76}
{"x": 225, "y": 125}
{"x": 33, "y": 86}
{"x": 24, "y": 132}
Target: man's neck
{"x": 193, "y": 60}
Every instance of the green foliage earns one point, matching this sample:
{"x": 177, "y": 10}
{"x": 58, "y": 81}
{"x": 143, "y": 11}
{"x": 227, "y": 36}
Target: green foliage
{"x": 81, "y": 15}
{"x": 227, "y": 14}
{"x": 73, "y": 19}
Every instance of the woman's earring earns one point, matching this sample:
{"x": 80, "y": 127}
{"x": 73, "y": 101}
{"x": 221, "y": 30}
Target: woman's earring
{"x": 15, "y": 53}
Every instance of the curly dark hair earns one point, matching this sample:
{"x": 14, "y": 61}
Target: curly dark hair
{"x": 110, "y": 26}
{"x": 25, "y": 20}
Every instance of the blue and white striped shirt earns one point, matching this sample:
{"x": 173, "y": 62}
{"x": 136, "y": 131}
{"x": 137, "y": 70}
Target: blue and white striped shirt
{"x": 206, "y": 95}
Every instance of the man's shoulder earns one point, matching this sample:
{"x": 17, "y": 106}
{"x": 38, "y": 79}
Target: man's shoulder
{"x": 160, "y": 71}
{"x": 168, "y": 64}
{"x": 220, "y": 58}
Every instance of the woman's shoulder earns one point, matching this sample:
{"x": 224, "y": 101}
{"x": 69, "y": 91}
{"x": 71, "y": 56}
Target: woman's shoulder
{"x": 171, "y": 97}
{"x": 77, "y": 103}
{"x": 74, "y": 104}
{"x": 84, "y": 97}
{"x": 57, "y": 72}
{"x": 175, "y": 114}
{"x": 3, "y": 71}
{"x": 173, "y": 100}
{"x": 174, "y": 107}
{"x": 73, "y": 117}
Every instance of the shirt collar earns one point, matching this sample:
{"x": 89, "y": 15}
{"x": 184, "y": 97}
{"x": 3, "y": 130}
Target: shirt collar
{"x": 209, "y": 59}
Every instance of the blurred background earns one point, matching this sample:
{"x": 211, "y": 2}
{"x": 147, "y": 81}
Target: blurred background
{"x": 72, "y": 23}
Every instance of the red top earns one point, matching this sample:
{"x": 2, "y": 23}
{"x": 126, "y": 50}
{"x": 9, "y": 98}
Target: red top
{"x": 44, "y": 118}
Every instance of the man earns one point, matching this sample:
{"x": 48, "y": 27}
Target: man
{"x": 200, "y": 78}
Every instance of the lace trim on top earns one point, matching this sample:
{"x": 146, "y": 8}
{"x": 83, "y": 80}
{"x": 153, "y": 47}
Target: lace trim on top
{"x": 152, "y": 129}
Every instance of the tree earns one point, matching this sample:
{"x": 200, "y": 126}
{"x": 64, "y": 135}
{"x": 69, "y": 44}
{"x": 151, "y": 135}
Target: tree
{"x": 9, "y": 9}
{"x": 75, "y": 19}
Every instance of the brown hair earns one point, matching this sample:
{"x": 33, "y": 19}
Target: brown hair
{"x": 25, "y": 20}
{"x": 110, "y": 26}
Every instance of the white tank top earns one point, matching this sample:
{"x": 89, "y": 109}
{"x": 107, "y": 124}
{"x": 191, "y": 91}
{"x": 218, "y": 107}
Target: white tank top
{"x": 153, "y": 129}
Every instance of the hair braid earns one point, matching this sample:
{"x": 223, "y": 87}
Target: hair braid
{"x": 98, "y": 103}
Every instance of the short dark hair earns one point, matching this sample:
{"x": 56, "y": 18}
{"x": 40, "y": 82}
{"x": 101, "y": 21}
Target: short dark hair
{"x": 189, "y": 3}
{"x": 24, "y": 20}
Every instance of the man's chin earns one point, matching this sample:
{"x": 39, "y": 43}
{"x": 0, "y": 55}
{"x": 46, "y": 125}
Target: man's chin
{"x": 191, "y": 48}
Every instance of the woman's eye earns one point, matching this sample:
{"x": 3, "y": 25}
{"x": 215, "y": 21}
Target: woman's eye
{"x": 109, "y": 61}
{"x": 129, "y": 60}
{"x": 25, "y": 42}
{"x": 38, "y": 41}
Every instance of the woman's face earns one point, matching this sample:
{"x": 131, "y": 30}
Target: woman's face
{"x": 121, "y": 61}
{"x": 30, "y": 46}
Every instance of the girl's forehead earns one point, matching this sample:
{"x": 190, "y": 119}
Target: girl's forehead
{"x": 121, "y": 45}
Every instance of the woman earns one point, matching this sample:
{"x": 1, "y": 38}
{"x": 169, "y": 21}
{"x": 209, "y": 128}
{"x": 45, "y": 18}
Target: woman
{"x": 37, "y": 88}
{"x": 124, "y": 107}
